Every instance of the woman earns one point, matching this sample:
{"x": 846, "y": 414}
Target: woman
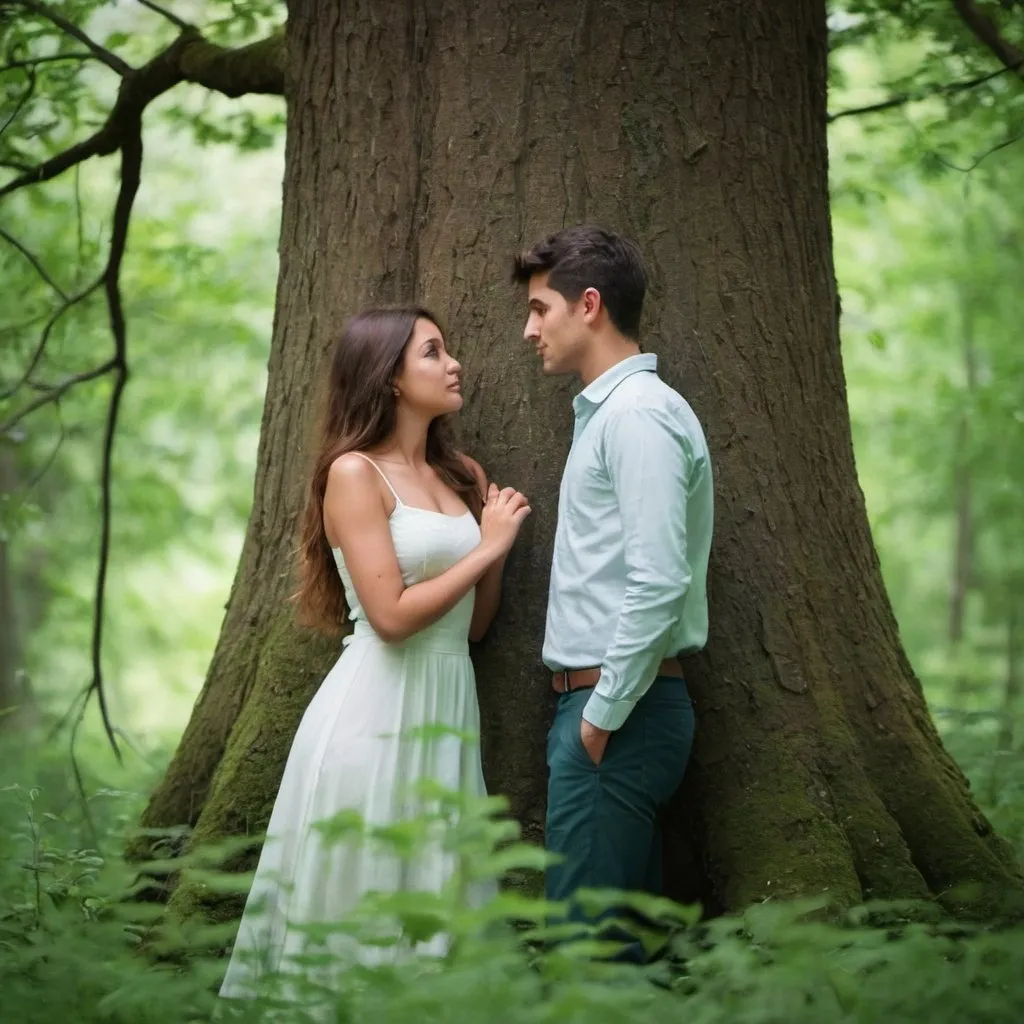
{"x": 402, "y": 533}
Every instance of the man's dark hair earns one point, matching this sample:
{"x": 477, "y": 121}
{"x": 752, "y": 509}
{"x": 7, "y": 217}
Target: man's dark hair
{"x": 589, "y": 257}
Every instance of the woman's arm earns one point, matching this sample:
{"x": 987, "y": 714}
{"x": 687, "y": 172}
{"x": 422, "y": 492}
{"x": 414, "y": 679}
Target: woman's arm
{"x": 488, "y": 589}
{"x": 357, "y": 519}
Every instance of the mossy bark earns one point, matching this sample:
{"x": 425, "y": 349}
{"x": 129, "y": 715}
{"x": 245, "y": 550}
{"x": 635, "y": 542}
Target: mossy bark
{"x": 428, "y": 142}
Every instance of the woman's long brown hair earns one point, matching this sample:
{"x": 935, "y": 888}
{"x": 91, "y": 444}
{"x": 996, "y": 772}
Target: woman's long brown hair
{"x": 360, "y": 413}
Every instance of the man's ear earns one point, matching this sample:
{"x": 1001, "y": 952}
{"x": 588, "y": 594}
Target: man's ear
{"x": 591, "y": 300}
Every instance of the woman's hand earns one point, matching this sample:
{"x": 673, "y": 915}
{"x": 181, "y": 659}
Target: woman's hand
{"x": 503, "y": 514}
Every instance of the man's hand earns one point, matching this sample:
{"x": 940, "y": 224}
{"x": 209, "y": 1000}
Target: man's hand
{"x": 594, "y": 740}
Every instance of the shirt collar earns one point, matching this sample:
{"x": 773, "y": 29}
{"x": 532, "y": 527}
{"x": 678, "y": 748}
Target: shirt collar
{"x": 598, "y": 390}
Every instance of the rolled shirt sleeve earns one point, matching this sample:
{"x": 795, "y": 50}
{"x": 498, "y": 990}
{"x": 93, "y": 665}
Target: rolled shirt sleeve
{"x": 649, "y": 462}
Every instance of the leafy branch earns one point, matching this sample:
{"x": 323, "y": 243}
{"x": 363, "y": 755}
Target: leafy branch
{"x": 945, "y": 89}
{"x": 257, "y": 68}
{"x": 36, "y": 265}
{"x": 30, "y": 89}
{"x": 131, "y": 176}
{"x": 47, "y": 12}
{"x": 987, "y": 33}
{"x": 169, "y": 15}
{"x": 53, "y": 58}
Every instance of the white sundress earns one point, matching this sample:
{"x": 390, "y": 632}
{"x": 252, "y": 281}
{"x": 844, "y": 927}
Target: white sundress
{"x": 348, "y": 755}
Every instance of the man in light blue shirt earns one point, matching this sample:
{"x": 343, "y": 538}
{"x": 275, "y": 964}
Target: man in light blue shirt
{"x": 628, "y": 589}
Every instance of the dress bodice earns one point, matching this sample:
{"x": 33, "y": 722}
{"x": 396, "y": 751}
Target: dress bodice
{"x": 427, "y": 543}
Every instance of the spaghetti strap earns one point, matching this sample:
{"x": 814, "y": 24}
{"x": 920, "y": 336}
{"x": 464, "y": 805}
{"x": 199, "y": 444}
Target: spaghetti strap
{"x": 383, "y": 476}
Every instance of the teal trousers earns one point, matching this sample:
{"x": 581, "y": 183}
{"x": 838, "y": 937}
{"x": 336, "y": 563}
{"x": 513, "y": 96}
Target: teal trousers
{"x": 602, "y": 820}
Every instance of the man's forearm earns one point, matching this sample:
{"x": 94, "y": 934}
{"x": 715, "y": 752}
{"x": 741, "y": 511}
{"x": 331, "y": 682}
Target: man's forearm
{"x": 631, "y": 662}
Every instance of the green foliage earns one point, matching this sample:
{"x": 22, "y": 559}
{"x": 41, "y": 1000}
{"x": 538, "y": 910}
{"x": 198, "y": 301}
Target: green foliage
{"x": 58, "y": 93}
{"x": 928, "y": 256}
{"x": 198, "y": 303}
{"x": 886, "y": 49}
{"x": 928, "y": 260}
{"x": 199, "y": 324}
{"x": 73, "y": 947}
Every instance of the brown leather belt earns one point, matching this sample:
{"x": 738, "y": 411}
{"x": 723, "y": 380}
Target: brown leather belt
{"x": 581, "y": 678}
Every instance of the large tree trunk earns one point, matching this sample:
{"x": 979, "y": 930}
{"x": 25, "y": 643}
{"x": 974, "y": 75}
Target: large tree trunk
{"x": 428, "y": 142}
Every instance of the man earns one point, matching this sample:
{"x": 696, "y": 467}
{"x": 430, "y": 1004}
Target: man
{"x": 628, "y": 590}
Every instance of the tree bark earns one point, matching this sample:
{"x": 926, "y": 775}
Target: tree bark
{"x": 426, "y": 144}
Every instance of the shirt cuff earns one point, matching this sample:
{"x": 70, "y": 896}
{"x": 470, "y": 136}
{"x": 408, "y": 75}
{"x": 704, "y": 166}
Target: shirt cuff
{"x": 605, "y": 713}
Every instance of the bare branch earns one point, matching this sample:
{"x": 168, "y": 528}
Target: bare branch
{"x": 169, "y": 15}
{"x": 36, "y": 265}
{"x": 110, "y": 59}
{"x": 47, "y": 465}
{"x": 103, "y": 143}
{"x": 987, "y": 32}
{"x": 25, "y": 492}
{"x": 34, "y": 62}
{"x": 22, "y": 100}
{"x": 8, "y": 329}
{"x": 976, "y": 162}
{"x": 902, "y": 99}
{"x": 52, "y": 393}
{"x": 131, "y": 175}
{"x": 257, "y": 68}
{"x": 56, "y": 393}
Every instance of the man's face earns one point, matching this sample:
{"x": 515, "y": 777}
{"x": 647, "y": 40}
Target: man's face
{"x": 554, "y": 327}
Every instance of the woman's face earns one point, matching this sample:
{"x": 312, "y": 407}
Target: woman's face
{"x": 428, "y": 378}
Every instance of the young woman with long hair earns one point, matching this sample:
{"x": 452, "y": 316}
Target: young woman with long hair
{"x": 402, "y": 535}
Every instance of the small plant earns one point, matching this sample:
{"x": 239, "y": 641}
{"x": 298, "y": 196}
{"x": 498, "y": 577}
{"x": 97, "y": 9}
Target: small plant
{"x": 75, "y": 947}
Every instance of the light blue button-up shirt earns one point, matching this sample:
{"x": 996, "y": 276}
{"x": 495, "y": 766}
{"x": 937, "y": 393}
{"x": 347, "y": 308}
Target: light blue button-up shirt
{"x": 635, "y": 513}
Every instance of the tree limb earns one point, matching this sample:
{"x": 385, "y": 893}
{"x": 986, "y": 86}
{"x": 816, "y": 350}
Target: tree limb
{"x": 947, "y": 89}
{"x": 190, "y": 58}
{"x": 36, "y": 265}
{"x": 131, "y": 176}
{"x": 22, "y": 99}
{"x": 34, "y": 62}
{"x": 45, "y": 11}
{"x": 169, "y": 15}
{"x": 8, "y": 329}
{"x": 53, "y": 394}
{"x": 50, "y": 459}
{"x": 976, "y": 162}
{"x": 987, "y": 32}
{"x": 257, "y": 68}
{"x": 56, "y": 393}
